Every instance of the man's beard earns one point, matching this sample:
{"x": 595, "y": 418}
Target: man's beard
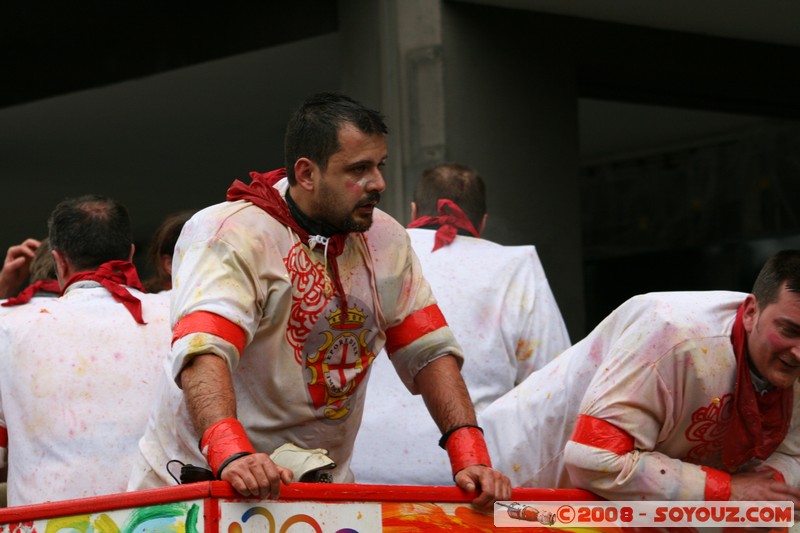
{"x": 347, "y": 223}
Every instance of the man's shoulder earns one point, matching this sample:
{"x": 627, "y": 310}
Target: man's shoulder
{"x": 679, "y": 315}
{"x": 228, "y": 221}
{"x": 687, "y": 299}
{"x": 385, "y": 228}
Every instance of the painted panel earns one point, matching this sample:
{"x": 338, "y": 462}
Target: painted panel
{"x": 177, "y": 517}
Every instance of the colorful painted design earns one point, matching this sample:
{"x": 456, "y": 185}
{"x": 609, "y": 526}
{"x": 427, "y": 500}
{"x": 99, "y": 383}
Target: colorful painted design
{"x": 280, "y": 517}
{"x": 337, "y": 348}
{"x": 309, "y": 298}
{"x": 179, "y": 517}
{"x": 409, "y": 517}
{"x": 339, "y": 365}
{"x": 708, "y": 428}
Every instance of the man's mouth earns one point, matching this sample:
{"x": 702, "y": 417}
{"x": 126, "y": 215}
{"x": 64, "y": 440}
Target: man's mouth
{"x": 371, "y": 201}
{"x": 793, "y": 364}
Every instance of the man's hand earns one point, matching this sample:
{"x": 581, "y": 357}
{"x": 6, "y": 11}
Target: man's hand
{"x": 491, "y": 484}
{"x": 17, "y": 267}
{"x": 762, "y": 486}
{"x": 256, "y": 475}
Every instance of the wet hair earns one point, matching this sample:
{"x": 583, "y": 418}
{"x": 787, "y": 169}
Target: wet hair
{"x": 313, "y": 129}
{"x": 781, "y": 269}
{"x": 459, "y": 183}
{"x": 163, "y": 243}
{"x": 43, "y": 265}
{"x": 90, "y": 230}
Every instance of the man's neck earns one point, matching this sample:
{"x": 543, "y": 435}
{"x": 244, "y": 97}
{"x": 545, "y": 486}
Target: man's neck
{"x": 313, "y": 227}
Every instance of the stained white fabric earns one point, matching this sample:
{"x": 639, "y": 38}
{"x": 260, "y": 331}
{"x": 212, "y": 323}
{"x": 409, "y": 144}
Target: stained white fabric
{"x": 661, "y": 368}
{"x": 77, "y": 379}
{"x": 301, "y": 376}
{"x": 501, "y": 309}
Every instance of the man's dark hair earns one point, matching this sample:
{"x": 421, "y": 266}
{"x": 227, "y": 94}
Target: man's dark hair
{"x": 782, "y": 268}
{"x": 313, "y": 129}
{"x": 90, "y": 230}
{"x": 458, "y": 183}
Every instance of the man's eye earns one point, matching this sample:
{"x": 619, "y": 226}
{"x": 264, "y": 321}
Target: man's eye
{"x": 790, "y": 331}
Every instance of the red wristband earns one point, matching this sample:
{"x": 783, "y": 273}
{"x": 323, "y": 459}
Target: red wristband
{"x": 466, "y": 447}
{"x": 718, "y": 485}
{"x": 222, "y": 441}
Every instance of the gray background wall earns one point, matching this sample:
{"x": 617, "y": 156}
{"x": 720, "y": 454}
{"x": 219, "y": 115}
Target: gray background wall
{"x": 548, "y": 101}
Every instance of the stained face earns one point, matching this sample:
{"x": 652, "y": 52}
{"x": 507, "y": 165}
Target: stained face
{"x": 351, "y": 186}
{"x": 773, "y": 338}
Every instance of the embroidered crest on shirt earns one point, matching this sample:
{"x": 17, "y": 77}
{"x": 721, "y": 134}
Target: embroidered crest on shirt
{"x": 308, "y": 298}
{"x": 708, "y": 428}
{"x": 339, "y": 364}
{"x": 334, "y": 348}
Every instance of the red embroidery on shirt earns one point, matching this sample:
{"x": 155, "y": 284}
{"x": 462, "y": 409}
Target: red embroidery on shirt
{"x": 308, "y": 297}
{"x": 339, "y": 353}
{"x": 708, "y": 428}
{"x": 340, "y": 363}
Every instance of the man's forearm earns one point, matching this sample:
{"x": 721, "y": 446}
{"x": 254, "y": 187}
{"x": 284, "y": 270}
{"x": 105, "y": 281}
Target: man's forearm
{"x": 445, "y": 394}
{"x": 208, "y": 391}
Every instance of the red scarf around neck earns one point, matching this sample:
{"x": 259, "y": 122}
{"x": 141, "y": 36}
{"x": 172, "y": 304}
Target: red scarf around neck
{"x": 451, "y": 218}
{"x": 758, "y": 423}
{"x": 113, "y": 275}
{"x": 25, "y": 295}
{"x": 262, "y": 193}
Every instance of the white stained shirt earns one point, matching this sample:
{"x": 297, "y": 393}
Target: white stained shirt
{"x": 301, "y": 376}
{"x": 77, "y": 378}
{"x": 499, "y": 305}
{"x": 661, "y": 368}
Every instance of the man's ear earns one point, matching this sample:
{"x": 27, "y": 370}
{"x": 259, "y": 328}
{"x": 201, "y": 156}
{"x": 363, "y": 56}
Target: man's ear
{"x": 483, "y": 224}
{"x": 166, "y": 263}
{"x": 414, "y": 211}
{"x": 304, "y": 170}
{"x": 63, "y": 271}
{"x": 750, "y": 313}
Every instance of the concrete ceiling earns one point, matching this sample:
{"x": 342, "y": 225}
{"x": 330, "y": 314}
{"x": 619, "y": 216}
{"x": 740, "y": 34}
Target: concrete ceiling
{"x": 768, "y": 21}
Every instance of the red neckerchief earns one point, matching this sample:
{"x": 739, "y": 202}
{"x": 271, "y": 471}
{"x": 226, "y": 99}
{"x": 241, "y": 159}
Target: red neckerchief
{"x": 25, "y": 295}
{"x": 451, "y": 218}
{"x": 113, "y": 275}
{"x": 759, "y": 423}
{"x": 262, "y": 193}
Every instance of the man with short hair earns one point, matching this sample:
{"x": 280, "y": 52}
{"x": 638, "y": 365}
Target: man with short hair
{"x": 674, "y": 396}
{"x": 497, "y": 302}
{"x": 282, "y": 296}
{"x": 77, "y": 372}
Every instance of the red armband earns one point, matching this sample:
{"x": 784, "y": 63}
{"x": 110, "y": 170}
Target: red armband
{"x": 465, "y": 447}
{"x": 223, "y": 443}
{"x": 718, "y": 485}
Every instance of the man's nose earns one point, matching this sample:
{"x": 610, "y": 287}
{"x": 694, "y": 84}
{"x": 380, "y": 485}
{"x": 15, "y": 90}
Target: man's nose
{"x": 376, "y": 182}
{"x": 795, "y": 351}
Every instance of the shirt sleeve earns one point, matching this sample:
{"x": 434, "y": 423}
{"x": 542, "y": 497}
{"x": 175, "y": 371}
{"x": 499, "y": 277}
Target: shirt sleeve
{"x": 417, "y": 332}
{"x": 630, "y": 406}
{"x": 217, "y": 296}
{"x": 542, "y": 335}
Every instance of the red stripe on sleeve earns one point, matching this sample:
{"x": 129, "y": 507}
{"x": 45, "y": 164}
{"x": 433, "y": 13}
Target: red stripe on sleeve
{"x": 212, "y": 323}
{"x": 598, "y": 433}
{"x": 3, "y": 437}
{"x": 718, "y": 485}
{"x": 413, "y": 327}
